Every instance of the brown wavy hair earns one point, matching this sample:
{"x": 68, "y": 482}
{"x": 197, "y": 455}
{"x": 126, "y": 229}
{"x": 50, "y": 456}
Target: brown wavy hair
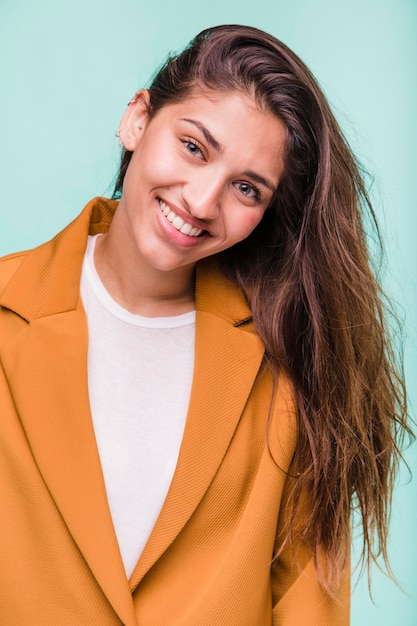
{"x": 315, "y": 301}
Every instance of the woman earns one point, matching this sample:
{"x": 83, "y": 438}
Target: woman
{"x": 197, "y": 385}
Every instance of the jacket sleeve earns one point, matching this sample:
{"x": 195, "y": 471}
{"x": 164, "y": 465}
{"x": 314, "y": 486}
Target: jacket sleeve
{"x": 297, "y": 597}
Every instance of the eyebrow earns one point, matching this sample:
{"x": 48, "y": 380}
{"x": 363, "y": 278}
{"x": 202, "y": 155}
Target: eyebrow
{"x": 215, "y": 144}
{"x": 260, "y": 179}
{"x": 207, "y": 134}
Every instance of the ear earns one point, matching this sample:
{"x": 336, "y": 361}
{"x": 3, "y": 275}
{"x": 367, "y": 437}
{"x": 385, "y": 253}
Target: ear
{"x": 134, "y": 120}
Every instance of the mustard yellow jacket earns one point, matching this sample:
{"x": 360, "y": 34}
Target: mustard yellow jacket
{"x": 208, "y": 559}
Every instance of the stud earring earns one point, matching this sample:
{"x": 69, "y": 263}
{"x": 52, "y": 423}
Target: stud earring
{"x": 139, "y": 127}
{"x": 118, "y": 136}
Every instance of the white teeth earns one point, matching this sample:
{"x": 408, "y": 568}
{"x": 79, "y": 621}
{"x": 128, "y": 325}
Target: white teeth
{"x": 164, "y": 207}
{"x": 186, "y": 229}
{"x": 178, "y": 222}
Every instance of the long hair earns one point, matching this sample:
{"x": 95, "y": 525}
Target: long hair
{"x": 315, "y": 302}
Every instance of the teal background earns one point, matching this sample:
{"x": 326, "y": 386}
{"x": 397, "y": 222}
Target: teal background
{"x": 67, "y": 70}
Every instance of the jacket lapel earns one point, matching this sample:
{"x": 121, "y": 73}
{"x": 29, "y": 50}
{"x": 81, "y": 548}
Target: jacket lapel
{"x": 46, "y": 367}
{"x": 216, "y": 404}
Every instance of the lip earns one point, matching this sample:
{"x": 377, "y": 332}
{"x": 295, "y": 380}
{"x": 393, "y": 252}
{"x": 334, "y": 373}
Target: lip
{"x": 176, "y": 235}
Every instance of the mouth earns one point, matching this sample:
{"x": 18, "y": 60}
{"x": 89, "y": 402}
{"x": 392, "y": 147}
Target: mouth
{"x": 179, "y": 223}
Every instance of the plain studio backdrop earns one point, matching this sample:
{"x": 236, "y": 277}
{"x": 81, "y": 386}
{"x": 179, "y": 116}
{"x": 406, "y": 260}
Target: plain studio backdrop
{"x": 67, "y": 70}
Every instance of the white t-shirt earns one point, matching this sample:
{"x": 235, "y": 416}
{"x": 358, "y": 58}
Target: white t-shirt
{"x": 139, "y": 379}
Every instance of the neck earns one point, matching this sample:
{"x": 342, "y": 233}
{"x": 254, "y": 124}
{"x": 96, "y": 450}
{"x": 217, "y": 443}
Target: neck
{"x": 139, "y": 287}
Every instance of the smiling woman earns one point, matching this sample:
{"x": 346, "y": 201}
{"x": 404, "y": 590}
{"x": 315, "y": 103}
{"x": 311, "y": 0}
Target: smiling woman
{"x": 190, "y": 192}
{"x": 197, "y": 384}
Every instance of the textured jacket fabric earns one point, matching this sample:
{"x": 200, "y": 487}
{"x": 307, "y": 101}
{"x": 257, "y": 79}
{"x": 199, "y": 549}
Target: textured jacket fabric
{"x": 208, "y": 559}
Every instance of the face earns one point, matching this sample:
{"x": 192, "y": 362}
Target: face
{"x": 201, "y": 176}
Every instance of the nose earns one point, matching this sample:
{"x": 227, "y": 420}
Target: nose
{"x": 203, "y": 195}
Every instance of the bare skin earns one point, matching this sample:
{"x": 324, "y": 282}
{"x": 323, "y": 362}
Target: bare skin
{"x": 200, "y": 179}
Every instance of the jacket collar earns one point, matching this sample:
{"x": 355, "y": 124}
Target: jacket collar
{"x": 37, "y": 288}
{"x": 46, "y": 366}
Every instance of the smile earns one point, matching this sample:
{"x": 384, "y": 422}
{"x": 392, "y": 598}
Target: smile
{"x": 177, "y": 221}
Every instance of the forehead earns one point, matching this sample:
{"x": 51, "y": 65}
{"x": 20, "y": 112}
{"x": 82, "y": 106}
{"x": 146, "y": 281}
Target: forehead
{"x": 231, "y": 105}
{"x": 201, "y": 93}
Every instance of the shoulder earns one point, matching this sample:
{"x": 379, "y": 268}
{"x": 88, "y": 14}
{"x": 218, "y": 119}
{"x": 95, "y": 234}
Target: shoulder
{"x": 45, "y": 281}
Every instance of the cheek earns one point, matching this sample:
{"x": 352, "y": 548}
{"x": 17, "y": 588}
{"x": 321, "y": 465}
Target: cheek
{"x": 151, "y": 163}
{"x": 246, "y": 223}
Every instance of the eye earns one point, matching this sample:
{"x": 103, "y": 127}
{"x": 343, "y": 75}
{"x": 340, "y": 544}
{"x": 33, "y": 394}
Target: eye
{"x": 248, "y": 190}
{"x": 193, "y": 147}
